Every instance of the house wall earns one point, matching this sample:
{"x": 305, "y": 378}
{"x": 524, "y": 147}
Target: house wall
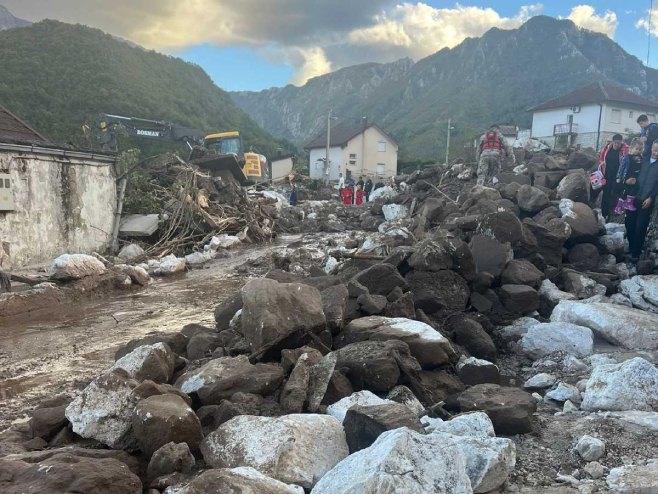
{"x": 61, "y": 206}
{"x": 316, "y": 166}
{"x": 281, "y": 168}
{"x": 628, "y": 123}
{"x": 368, "y": 156}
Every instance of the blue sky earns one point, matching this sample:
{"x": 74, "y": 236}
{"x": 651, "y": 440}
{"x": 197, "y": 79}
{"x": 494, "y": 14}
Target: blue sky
{"x": 256, "y": 44}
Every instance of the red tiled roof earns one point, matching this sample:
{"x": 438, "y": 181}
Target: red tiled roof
{"x": 598, "y": 92}
{"x": 14, "y": 129}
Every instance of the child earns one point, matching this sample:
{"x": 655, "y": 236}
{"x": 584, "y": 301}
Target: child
{"x": 629, "y": 171}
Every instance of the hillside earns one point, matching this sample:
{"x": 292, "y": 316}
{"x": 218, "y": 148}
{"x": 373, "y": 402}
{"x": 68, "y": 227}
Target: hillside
{"x": 59, "y": 76}
{"x": 492, "y": 79}
{"x": 8, "y": 21}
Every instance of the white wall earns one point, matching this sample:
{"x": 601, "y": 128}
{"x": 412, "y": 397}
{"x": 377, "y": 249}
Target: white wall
{"x": 336, "y": 163}
{"x": 62, "y": 206}
{"x": 628, "y": 119}
{"x": 369, "y": 155}
{"x": 281, "y": 168}
{"x": 586, "y": 120}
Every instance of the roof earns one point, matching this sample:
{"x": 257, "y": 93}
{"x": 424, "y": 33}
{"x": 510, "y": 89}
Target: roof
{"x": 341, "y": 135}
{"x": 597, "y": 92}
{"x": 13, "y": 128}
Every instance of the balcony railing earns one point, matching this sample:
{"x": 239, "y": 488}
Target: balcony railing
{"x": 565, "y": 129}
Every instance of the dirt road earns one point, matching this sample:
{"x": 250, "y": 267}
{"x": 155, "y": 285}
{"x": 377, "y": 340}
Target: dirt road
{"x": 42, "y": 358}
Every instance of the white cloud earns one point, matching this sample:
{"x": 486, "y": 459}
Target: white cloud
{"x": 585, "y": 16}
{"x": 644, "y": 23}
{"x": 310, "y": 62}
{"x": 423, "y": 30}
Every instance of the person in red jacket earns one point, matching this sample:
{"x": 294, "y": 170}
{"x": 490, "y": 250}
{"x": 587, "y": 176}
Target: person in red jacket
{"x": 360, "y": 193}
{"x": 609, "y": 162}
{"x": 347, "y": 196}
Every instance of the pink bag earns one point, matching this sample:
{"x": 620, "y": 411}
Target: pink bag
{"x": 597, "y": 178}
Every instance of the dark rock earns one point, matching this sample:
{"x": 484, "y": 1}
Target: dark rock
{"x": 519, "y": 299}
{"x": 509, "y": 206}
{"x": 433, "y": 291}
{"x": 551, "y": 237}
{"x": 334, "y": 304}
{"x": 274, "y": 311}
{"x": 364, "y": 424}
{"x": 380, "y": 279}
{"x": 46, "y": 422}
{"x": 164, "y": 418}
{"x": 581, "y": 219}
{"x": 372, "y": 304}
{"x": 169, "y": 458}
{"x": 355, "y": 289}
{"x": 490, "y": 255}
{"x": 339, "y": 387}
{"x": 463, "y": 262}
{"x": 431, "y": 255}
{"x": 35, "y": 444}
{"x": 402, "y": 307}
{"x": 319, "y": 282}
{"x": 176, "y": 341}
{"x": 202, "y": 345}
{"x": 480, "y": 303}
{"x": 193, "y": 329}
{"x": 513, "y": 178}
{"x": 581, "y": 159}
{"x": 548, "y": 179}
{"x": 522, "y": 272}
{"x": 508, "y": 191}
{"x": 470, "y": 334}
{"x": 644, "y": 267}
{"x": 146, "y": 389}
{"x": 295, "y": 391}
{"x": 473, "y": 372}
{"x": 483, "y": 281}
{"x": 289, "y": 356}
{"x": 584, "y": 257}
{"x": 225, "y": 311}
{"x": 531, "y": 199}
{"x": 510, "y": 409}
{"x": 440, "y": 384}
{"x": 395, "y": 294}
{"x": 234, "y": 342}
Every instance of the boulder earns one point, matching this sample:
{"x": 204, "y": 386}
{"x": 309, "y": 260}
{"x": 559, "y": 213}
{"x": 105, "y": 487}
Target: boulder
{"x": 203, "y": 345}
{"x": 546, "y": 338}
{"x": 372, "y": 364}
{"x": 634, "y": 479}
{"x": 516, "y": 330}
{"x": 442, "y": 290}
{"x": 242, "y": 480}
{"x": 46, "y": 421}
{"x": 363, "y": 424}
{"x": 176, "y": 341}
{"x": 438, "y": 466}
{"x": 76, "y": 266}
{"x": 66, "y": 472}
{"x": 137, "y": 274}
{"x": 360, "y": 398}
{"x": 584, "y": 257}
{"x": 623, "y": 326}
{"x": 548, "y": 179}
{"x": 582, "y": 286}
{"x": 402, "y": 394}
{"x": 154, "y": 362}
{"x": 519, "y": 299}
{"x": 334, "y": 304}
{"x": 225, "y": 311}
{"x": 510, "y": 409}
{"x": 170, "y": 265}
{"x": 273, "y": 311}
{"x": 574, "y": 186}
{"x": 440, "y": 384}
{"x": 380, "y": 279}
{"x": 581, "y": 219}
{"x": 564, "y": 392}
{"x": 642, "y": 292}
{"x": 427, "y": 345}
{"x": 540, "y": 381}
{"x": 474, "y": 371}
{"x": 551, "y": 236}
{"x": 490, "y": 255}
{"x": 295, "y": 392}
{"x": 475, "y": 424}
{"x": 431, "y": 255}
{"x": 581, "y": 159}
{"x": 474, "y": 338}
{"x": 550, "y": 295}
{"x": 371, "y": 304}
{"x": 220, "y": 378}
{"x": 394, "y": 212}
{"x": 402, "y": 307}
{"x": 522, "y": 272}
{"x": 631, "y": 385}
{"x": 169, "y": 458}
{"x": 590, "y": 448}
{"x": 320, "y": 379}
{"x": 531, "y": 199}
{"x": 298, "y": 449}
{"x": 130, "y": 252}
{"x": 160, "y": 419}
{"x": 613, "y": 244}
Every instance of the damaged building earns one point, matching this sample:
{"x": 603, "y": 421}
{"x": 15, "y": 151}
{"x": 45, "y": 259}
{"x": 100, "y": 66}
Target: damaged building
{"x": 52, "y": 199}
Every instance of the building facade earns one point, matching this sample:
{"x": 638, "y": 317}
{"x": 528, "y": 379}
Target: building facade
{"x": 590, "y": 116}
{"x": 362, "y": 151}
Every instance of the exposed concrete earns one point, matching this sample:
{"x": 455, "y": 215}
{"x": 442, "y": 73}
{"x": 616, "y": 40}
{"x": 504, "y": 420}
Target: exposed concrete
{"x": 63, "y": 204}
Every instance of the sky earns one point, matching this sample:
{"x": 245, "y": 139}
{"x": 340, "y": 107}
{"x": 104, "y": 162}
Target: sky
{"x": 257, "y": 44}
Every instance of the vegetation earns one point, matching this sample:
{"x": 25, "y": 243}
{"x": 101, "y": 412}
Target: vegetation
{"x": 59, "y": 76}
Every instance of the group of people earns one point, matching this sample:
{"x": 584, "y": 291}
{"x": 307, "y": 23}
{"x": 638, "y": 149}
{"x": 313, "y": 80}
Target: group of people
{"x": 354, "y": 193}
{"x": 630, "y": 182}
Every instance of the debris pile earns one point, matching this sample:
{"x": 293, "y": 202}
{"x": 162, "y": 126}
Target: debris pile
{"x": 490, "y": 341}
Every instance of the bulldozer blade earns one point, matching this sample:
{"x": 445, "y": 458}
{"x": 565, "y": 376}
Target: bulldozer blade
{"x": 223, "y": 162}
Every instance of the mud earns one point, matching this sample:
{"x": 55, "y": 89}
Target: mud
{"x": 68, "y": 345}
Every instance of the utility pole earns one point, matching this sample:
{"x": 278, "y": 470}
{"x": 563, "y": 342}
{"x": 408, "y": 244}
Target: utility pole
{"x": 448, "y": 140}
{"x": 326, "y": 159}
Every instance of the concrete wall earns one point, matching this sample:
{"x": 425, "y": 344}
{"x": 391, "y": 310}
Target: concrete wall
{"x": 366, "y": 147}
{"x": 281, "y": 168}
{"x": 63, "y": 205}
{"x": 316, "y": 162}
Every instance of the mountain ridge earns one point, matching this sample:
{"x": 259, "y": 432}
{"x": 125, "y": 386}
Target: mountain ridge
{"x": 9, "y": 21}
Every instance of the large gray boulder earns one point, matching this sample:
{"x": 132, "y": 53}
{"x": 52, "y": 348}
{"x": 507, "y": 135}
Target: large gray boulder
{"x": 642, "y": 291}
{"x": 623, "y": 326}
{"x": 430, "y": 347}
{"x": 298, "y": 449}
{"x": 490, "y": 255}
{"x": 76, "y": 266}
{"x": 242, "y": 480}
{"x": 634, "y": 479}
{"x": 431, "y": 255}
{"x": 522, "y": 272}
{"x": 531, "y": 199}
{"x": 550, "y": 295}
{"x": 154, "y": 362}
{"x": 581, "y": 219}
{"x": 441, "y": 290}
{"x": 220, "y": 378}
{"x": 574, "y": 186}
{"x": 546, "y": 338}
{"x": 383, "y": 468}
{"x": 631, "y": 385}
{"x": 360, "y": 398}
{"x": 381, "y": 278}
{"x": 272, "y": 311}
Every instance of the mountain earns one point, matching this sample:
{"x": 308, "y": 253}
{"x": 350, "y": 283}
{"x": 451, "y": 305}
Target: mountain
{"x": 491, "y": 79}
{"x": 59, "y": 76}
{"x": 8, "y": 21}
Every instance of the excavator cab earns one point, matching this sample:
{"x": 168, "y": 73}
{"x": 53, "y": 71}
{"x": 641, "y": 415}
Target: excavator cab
{"x": 254, "y": 165}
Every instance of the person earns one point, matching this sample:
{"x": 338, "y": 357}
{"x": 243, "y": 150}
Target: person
{"x": 358, "y": 196}
{"x": 637, "y": 222}
{"x": 609, "y": 160}
{"x": 360, "y": 183}
{"x": 629, "y": 171}
{"x": 648, "y": 134}
{"x": 489, "y": 155}
{"x": 347, "y": 196}
{"x": 293, "y": 194}
{"x": 368, "y": 188}
{"x": 349, "y": 181}
{"x": 341, "y": 184}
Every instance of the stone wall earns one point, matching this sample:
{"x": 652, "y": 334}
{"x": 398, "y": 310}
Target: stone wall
{"x": 62, "y": 204}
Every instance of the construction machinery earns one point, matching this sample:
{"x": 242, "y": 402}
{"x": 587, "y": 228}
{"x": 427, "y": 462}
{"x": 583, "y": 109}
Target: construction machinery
{"x": 221, "y": 151}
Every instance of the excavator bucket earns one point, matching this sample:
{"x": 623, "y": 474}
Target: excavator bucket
{"x": 230, "y": 162}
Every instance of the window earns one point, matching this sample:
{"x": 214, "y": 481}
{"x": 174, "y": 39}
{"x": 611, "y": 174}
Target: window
{"x": 381, "y": 169}
{"x": 352, "y": 159}
{"x": 615, "y": 116}
{"x": 630, "y": 114}
{"x": 352, "y": 156}
{"x": 381, "y": 146}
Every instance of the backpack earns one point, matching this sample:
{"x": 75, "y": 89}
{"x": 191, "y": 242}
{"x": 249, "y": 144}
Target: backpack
{"x": 491, "y": 141}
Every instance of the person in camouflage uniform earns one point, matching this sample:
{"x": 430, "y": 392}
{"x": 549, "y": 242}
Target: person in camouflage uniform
{"x": 489, "y": 155}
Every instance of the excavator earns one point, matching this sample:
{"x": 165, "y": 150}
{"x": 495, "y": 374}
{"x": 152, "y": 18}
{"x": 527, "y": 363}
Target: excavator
{"x": 220, "y": 151}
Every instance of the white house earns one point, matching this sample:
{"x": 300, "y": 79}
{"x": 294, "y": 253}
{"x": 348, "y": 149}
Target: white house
{"x": 363, "y": 150}
{"x": 590, "y": 116}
